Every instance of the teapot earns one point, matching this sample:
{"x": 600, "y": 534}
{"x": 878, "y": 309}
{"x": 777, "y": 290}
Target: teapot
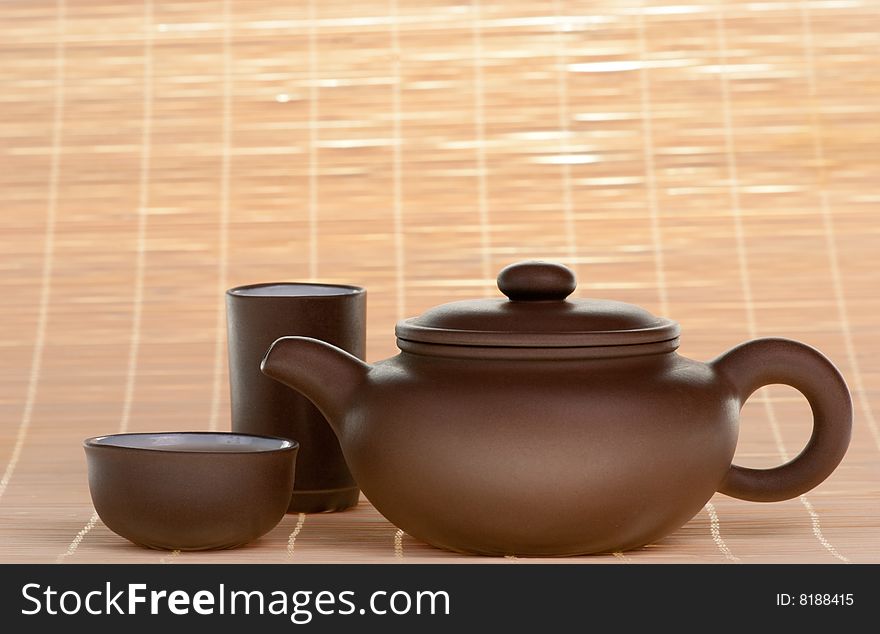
{"x": 538, "y": 425}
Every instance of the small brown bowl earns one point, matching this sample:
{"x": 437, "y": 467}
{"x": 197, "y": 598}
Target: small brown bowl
{"x": 190, "y": 490}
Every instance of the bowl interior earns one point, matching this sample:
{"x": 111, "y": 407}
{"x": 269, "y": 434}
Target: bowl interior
{"x": 195, "y": 442}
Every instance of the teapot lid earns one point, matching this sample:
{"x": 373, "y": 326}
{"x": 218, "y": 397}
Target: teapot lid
{"x": 537, "y": 314}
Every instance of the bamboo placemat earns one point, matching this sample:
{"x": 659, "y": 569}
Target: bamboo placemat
{"x": 714, "y": 162}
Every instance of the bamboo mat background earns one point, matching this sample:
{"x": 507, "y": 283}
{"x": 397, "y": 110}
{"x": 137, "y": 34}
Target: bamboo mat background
{"x": 714, "y": 162}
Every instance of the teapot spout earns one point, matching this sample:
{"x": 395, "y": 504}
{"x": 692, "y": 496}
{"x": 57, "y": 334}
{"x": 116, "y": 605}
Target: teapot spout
{"x": 323, "y": 373}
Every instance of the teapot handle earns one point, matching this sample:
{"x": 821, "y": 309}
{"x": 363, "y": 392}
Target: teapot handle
{"x": 761, "y": 362}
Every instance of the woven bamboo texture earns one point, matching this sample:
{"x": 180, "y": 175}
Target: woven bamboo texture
{"x": 714, "y": 162}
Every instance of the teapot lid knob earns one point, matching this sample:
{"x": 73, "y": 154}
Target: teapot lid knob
{"x": 536, "y": 281}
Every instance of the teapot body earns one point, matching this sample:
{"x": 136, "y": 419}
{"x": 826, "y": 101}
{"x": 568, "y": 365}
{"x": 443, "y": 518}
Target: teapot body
{"x": 540, "y": 425}
{"x": 540, "y": 457}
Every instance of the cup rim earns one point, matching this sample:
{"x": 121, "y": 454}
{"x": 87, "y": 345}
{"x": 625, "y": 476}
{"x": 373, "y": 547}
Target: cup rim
{"x": 344, "y": 290}
{"x": 94, "y": 442}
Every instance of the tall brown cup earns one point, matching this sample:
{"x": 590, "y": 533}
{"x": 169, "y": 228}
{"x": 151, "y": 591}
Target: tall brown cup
{"x": 257, "y": 315}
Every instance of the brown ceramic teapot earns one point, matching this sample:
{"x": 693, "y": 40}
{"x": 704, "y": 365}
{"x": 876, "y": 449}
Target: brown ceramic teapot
{"x": 540, "y": 425}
